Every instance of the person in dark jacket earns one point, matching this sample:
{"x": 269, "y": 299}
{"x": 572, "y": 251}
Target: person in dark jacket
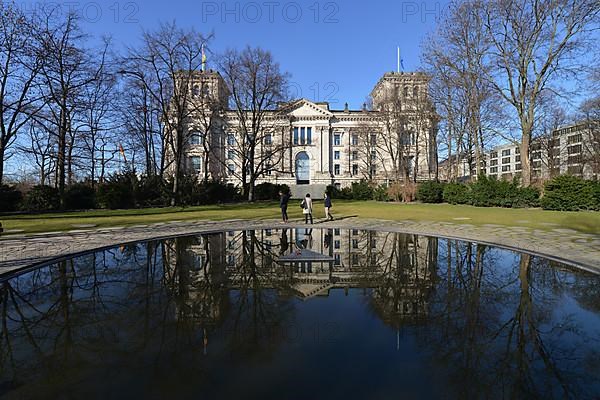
{"x": 284, "y": 199}
{"x": 328, "y": 207}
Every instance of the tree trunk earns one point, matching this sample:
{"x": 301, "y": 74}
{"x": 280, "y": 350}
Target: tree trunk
{"x": 1, "y": 162}
{"x": 525, "y": 163}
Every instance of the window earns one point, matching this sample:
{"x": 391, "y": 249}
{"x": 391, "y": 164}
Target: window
{"x": 336, "y": 155}
{"x": 536, "y": 154}
{"x": 196, "y": 163}
{"x": 373, "y": 170}
{"x": 505, "y": 152}
{"x": 354, "y": 140}
{"x": 354, "y": 232}
{"x": 355, "y": 155}
{"x": 308, "y": 135}
{"x": 354, "y": 169}
{"x": 196, "y": 138}
{"x": 536, "y": 164}
{"x": 336, "y": 231}
{"x": 230, "y": 154}
{"x": 517, "y": 150}
{"x": 296, "y": 136}
{"x": 336, "y": 169}
{"x": 506, "y": 160}
{"x": 574, "y": 149}
{"x": 518, "y": 158}
{"x": 230, "y": 169}
{"x": 505, "y": 168}
{"x": 554, "y": 142}
{"x": 355, "y": 243}
{"x": 336, "y": 244}
{"x": 268, "y": 139}
{"x": 230, "y": 139}
{"x": 493, "y": 162}
{"x": 373, "y": 155}
{"x": 493, "y": 170}
{"x": 337, "y": 139}
{"x": 574, "y": 139}
{"x": 196, "y": 91}
{"x": 337, "y": 260}
{"x": 518, "y": 167}
{"x": 302, "y": 136}
{"x": 373, "y": 139}
{"x": 268, "y": 168}
{"x": 494, "y": 154}
{"x": 576, "y": 159}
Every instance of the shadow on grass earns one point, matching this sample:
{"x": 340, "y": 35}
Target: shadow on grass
{"x": 142, "y": 211}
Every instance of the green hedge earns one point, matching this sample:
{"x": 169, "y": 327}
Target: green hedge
{"x": 80, "y": 197}
{"x": 42, "y": 198}
{"x": 570, "y": 193}
{"x": 431, "y": 192}
{"x": 269, "y": 191}
{"x": 456, "y": 193}
{"x": 10, "y": 198}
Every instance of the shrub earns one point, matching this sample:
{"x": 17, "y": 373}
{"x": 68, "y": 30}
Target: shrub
{"x": 42, "y": 198}
{"x": 430, "y": 192}
{"x": 490, "y": 192}
{"x": 152, "y": 191}
{"x": 528, "y": 197}
{"x": 380, "y": 193}
{"x": 456, "y": 193}
{"x": 214, "y": 192}
{"x": 570, "y": 193}
{"x": 409, "y": 192}
{"x": 118, "y": 192}
{"x": 343, "y": 194}
{"x": 361, "y": 190}
{"x": 10, "y": 198}
{"x": 269, "y": 191}
{"x": 79, "y": 197}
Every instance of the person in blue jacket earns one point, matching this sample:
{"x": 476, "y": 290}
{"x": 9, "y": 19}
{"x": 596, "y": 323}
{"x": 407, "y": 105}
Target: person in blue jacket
{"x": 328, "y": 207}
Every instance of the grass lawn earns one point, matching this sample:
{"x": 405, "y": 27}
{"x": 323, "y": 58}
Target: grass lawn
{"x": 588, "y": 222}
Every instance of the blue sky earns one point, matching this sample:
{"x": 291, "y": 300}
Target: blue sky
{"x": 335, "y": 50}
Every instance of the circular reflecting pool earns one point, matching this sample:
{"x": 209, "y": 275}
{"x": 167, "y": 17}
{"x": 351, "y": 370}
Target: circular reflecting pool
{"x": 301, "y": 314}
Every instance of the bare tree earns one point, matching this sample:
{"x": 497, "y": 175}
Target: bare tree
{"x": 257, "y": 86}
{"x": 533, "y": 42}
{"x": 20, "y": 62}
{"x": 67, "y": 70}
{"x": 166, "y": 64}
{"x": 456, "y": 56}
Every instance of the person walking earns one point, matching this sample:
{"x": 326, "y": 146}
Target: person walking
{"x": 307, "y": 209}
{"x": 328, "y": 207}
{"x": 284, "y": 199}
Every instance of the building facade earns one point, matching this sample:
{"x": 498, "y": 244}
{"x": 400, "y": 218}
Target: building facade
{"x": 308, "y": 143}
{"x": 573, "y": 150}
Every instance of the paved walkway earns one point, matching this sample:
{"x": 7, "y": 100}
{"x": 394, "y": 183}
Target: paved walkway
{"x": 565, "y": 245}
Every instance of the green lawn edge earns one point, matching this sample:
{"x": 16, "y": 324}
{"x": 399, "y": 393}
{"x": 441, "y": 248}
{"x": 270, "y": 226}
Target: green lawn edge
{"x": 582, "y": 221}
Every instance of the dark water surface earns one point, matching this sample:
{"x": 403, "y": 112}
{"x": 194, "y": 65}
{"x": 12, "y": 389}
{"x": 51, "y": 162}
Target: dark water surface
{"x": 301, "y": 315}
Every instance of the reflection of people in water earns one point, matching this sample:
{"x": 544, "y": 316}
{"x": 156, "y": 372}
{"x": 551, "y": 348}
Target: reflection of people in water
{"x": 328, "y": 239}
{"x": 283, "y": 242}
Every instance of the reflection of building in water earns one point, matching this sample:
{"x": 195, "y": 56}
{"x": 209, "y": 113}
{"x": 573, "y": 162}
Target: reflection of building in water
{"x": 399, "y": 268}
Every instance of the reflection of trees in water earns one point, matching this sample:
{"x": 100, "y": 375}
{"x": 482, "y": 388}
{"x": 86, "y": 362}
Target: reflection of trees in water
{"x": 487, "y": 319}
{"x": 497, "y": 331}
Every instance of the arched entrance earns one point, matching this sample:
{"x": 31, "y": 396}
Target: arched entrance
{"x": 302, "y": 168}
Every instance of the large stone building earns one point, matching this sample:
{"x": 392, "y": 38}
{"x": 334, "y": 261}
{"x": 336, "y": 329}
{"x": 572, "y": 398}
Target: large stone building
{"x": 309, "y": 143}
